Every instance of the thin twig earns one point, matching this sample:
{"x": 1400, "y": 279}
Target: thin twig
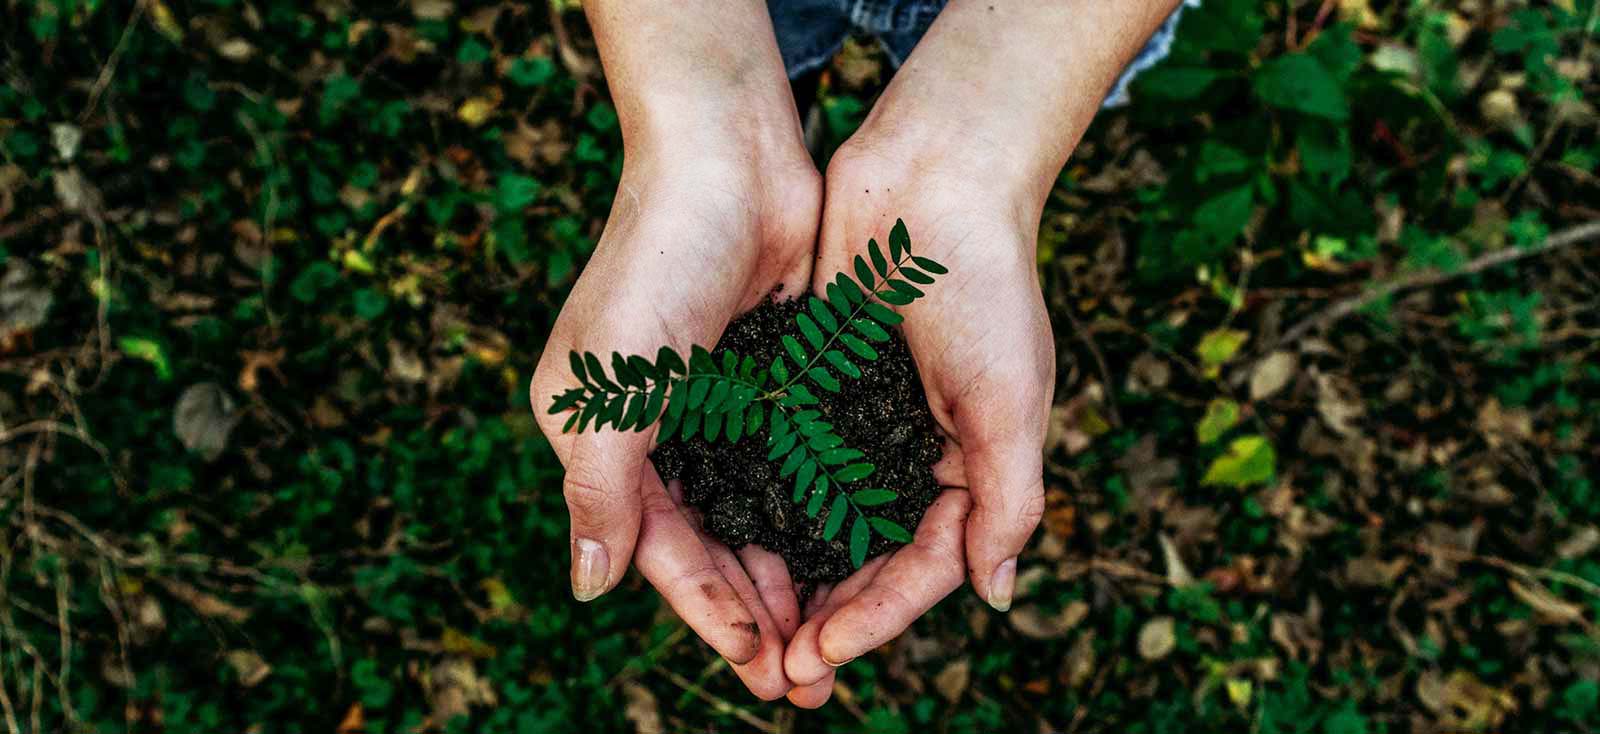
{"x": 717, "y": 702}
{"x": 64, "y": 624}
{"x": 109, "y": 69}
{"x": 1529, "y": 573}
{"x": 5, "y": 698}
{"x": 1100, "y": 364}
{"x": 1341, "y": 309}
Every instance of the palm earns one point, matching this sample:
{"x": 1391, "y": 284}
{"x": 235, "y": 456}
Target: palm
{"x": 681, "y": 256}
{"x": 982, "y": 343}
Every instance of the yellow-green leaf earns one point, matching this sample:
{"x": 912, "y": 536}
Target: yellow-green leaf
{"x": 1221, "y": 415}
{"x": 1249, "y": 460}
{"x": 1219, "y": 346}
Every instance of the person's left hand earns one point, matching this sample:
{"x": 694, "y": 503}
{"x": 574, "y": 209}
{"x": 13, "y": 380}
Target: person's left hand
{"x": 984, "y": 348}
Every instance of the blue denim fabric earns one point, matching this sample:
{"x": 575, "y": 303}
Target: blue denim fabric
{"x": 810, "y": 32}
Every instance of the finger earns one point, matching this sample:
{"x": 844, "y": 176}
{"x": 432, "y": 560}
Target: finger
{"x": 1001, "y": 422}
{"x": 772, "y": 581}
{"x": 803, "y": 660}
{"x": 763, "y": 675}
{"x": 1007, "y": 485}
{"x": 814, "y": 695}
{"x": 818, "y": 601}
{"x": 604, "y": 471}
{"x": 678, "y": 565}
{"x": 950, "y": 470}
{"x": 915, "y": 578}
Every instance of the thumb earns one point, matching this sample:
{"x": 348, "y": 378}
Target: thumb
{"x": 1004, "y": 463}
{"x": 604, "y": 471}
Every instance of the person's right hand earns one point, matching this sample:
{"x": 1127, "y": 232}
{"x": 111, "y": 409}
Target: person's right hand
{"x": 694, "y": 239}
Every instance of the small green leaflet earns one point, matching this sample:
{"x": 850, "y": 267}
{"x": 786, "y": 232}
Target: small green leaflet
{"x": 808, "y": 328}
{"x": 860, "y": 533}
{"x": 873, "y": 497}
{"x": 890, "y": 529}
{"x": 818, "y": 494}
{"x": 899, "y": 240}
{"x": 854, "y": 472}
{"x": 836, "y": 513}
{"x": 878, "y": 262}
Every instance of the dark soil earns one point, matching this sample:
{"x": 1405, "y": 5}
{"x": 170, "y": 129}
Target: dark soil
{"x": 741, "y": 498}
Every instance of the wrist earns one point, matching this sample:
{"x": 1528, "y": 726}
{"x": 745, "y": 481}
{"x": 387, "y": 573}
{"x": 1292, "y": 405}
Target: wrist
{"x": 998, "y": 164}
{"x": 928, "y": 161}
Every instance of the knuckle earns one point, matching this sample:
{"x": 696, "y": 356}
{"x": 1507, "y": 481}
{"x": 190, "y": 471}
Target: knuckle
{"x": 656, "y": 504}
{"x": 703, "y": 579}
{"x": 542, "y": 389}
{"x": 768, "y": 690}
{"x": 767, "y": 586}
{"x": 950, "y": 558}
{"x": 1031, "y": 511}
{"x": 587, "y": 496}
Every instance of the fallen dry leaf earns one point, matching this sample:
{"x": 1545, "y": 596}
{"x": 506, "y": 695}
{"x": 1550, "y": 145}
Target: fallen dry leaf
{"x": 249, "y": 666}
{"x": 952, "y": 681}
{"x": 1272, "y": 374}
{"x": 1548, "y": 606}
{"x": 1158, "y": 638}
{"x": 642, "y": 709}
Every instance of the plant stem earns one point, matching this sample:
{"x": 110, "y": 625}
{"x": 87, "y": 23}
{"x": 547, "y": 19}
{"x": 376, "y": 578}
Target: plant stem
{"x": 854, "y": 313}
{"x": 813, "y": 456}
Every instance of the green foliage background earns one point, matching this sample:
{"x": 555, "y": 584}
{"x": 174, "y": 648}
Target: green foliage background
{"x": 275, "y": 275}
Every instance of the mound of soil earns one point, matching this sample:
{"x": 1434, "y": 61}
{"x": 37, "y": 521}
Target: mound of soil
{"x": 741, "y": 498}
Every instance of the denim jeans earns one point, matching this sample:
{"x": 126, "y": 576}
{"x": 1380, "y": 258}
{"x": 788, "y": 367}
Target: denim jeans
{"x": 810, "y": 32}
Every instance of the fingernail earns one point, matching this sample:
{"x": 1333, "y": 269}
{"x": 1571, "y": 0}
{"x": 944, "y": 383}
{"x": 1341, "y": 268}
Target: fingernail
{"x": 832, "y": 664}
{"x": 1002, "y": 584}
{"x": 590, "y": 568}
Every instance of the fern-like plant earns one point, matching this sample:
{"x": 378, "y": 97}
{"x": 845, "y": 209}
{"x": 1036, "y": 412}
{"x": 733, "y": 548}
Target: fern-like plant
{"x": 733, "y": 399}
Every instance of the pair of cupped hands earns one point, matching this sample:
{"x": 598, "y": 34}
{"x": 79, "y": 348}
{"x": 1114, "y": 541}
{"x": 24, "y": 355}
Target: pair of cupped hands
{"x": 700, "y": 233}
